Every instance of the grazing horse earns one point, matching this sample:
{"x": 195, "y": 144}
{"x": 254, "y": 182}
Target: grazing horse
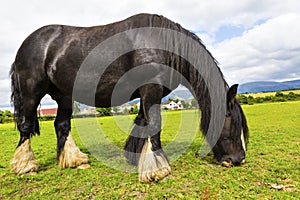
{"x": 49, "y": 62}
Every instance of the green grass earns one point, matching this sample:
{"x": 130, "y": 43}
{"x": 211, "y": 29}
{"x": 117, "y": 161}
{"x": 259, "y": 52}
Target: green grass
{"x": 273, "y": 157}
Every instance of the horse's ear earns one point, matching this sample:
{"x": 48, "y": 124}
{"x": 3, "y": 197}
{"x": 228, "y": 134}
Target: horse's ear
{"x": 232, "y": 92}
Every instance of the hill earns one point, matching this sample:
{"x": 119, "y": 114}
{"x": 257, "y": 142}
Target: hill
{"x": 182, "y": 94}
{"x": 268, "y": 86}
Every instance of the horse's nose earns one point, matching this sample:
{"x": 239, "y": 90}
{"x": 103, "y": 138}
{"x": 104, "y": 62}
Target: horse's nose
{"x": 237, "y": 160}
{"x": 233, "y": 160}
{"x": 236, "y": 163}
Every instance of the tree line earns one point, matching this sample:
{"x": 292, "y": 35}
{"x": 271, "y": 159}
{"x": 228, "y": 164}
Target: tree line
{"x": 134, "y": 109}
{"x": 278, "y": 97}
{"x": 6, "y": 116}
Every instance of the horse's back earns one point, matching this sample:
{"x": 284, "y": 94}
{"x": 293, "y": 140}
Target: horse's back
{"x": 53, "y": 54}
{"x": 50, "y": 42}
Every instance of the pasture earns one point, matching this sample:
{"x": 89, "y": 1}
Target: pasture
{"x": 271, "y": 171}
{"x": 264, "y": 94}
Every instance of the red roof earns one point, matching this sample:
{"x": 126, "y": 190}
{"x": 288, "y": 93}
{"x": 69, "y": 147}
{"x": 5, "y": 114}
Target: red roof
{"x": 47, "y": 111}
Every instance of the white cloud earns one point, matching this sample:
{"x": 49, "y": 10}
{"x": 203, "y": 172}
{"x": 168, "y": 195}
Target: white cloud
{"x": 270, "y": 51}
{"x": 5, "y": 92}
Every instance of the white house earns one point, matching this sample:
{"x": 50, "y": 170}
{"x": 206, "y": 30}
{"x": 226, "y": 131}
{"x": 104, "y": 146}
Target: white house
{"x": 124, "y": 108}
{"x": 171, "y": 105}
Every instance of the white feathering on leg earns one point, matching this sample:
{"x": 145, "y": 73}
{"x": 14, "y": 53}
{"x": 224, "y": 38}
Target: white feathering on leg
{"x": 71, "y": 156}
{"x": 152, "y": 166}
{"x": 24, "y": 160}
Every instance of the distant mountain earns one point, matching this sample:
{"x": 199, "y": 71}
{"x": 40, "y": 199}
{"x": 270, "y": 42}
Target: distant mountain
{"x": 182, "y": 94}
{"x": 268, "y": 86}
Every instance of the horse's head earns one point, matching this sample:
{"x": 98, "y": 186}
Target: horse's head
{"x": 231, "y": 146}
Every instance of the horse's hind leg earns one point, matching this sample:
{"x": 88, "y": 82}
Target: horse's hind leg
{"x": 24, "y": 160}
{"x": 143, "y": 147}
{"x": 68, "y": 154}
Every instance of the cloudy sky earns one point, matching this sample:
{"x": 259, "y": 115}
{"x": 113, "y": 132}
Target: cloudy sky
{"x": 253, "y": 40}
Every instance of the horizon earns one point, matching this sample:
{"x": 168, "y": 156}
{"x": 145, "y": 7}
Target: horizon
{"x": 48, "y": 103}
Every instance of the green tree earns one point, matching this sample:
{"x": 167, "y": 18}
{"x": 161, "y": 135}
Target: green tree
{"x": 194, "y": 103}
{"x": 291, "y": 96}
{"x": 125, "y": 111}
{"x": 268, "y": 98}
{"x": 259, "y": 100}
{"x": 185, "y": 104}
{"x": 104, "y": 111}
{"x": 116, "y": 109}
{"x": 242, "y": 99}
{"x": 1, "y": 116}
{"x": 6, "y": 116}
{"x": 279, "y": 94}
{"x": 250, "y": 100}
{"x": 134, "y": 109}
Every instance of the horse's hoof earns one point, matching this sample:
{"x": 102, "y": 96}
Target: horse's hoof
{"x": 24, "y": 161}
{"x": 29, "y": 173}
{"x": 84, "y": 166}
{"x": 29, "y": 169}
{"x": 71, "y": 156}
{"x": 153, "y": 166}
{"x": 158, "y": 175}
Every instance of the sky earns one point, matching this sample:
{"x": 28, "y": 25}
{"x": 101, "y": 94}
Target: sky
{"x": 253, "y": 40}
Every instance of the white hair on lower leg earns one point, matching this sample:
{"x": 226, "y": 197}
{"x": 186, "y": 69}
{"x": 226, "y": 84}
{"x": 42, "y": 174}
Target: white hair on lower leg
{"x": 71, "y": 156}
{"x": 152, "y": 166}
{"x": 24, "y": 160}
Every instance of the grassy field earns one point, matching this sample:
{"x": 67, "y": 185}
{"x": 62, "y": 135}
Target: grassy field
{"x": 264, "y": 94}
{"x": 271, "y": 171}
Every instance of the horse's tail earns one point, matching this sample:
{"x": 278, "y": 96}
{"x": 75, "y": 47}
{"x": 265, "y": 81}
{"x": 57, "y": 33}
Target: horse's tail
{"x": 17, "y": 99}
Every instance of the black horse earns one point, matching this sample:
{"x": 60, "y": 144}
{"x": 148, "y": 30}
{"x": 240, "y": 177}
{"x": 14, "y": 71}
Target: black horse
{"x": 50, "y": 61}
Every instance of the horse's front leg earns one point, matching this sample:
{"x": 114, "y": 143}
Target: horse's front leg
{"x": 143, "y": 147}
{"x": 68, "y": 154}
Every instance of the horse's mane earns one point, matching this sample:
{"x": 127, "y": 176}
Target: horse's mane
{"x": 239, "y": 119}
{"x": 200, "y": 92}
{"x": 163, "y": 22}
